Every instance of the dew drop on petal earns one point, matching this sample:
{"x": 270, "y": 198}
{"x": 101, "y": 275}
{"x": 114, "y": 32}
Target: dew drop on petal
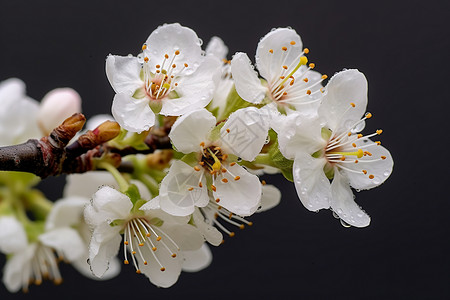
{"x": 386, "y": 173}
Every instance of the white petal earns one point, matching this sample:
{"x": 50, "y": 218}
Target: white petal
{"x": 197, "y": 260}
{"x": 270, "y": 197}
{"x": 56, "y": 106}
{"x": 191, "y": 129}
{"x": 132, "y": 114}
{"x": 86, "y": 184}
{"x": 241, "y": 197}
{"x": 343, "y": 204}
{"x": 266, "y": 62}
{"x": 381, "y": 169}
{"x": 210, "y": 233}
{"x": 186, "y": 236}
{"x": 83, "y": 267}
{"x": 96, "y": 120}
{"x": 167, "y": 39}
{"x": 66, "y": 212}
{"x": 17, "y": 268}
{"x": 152, "y": 204}
{"x": 100, "y": 254}
{"x": 195, "y": 91}
{"x": 180, "y": 191}
{"x": 123, "y": 73}
{"x": 152, "y": 269}
{"x": 300, "y": 134}
{"x": 112, "y": 203}
{"x": 313, "y": 187}
{"x": 246, "y": 80}
{"x": 12, "y": 235}
{"x": 217, "y": 48}
{"x": 344, "y": 88}
{"x": 245, "y": 132}
{"x": 66, "y": 240}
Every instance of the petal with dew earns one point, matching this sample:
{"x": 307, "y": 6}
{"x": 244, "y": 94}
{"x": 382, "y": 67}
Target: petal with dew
{"x": 123, "y": 73}
{"x": 343, "y": 204}
{"x": 132, "y": 114}
{"x": 197, "y": 260}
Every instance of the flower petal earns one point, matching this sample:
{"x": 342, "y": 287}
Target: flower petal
{"x": 123, "y": 73}
{"x": 217, "y": 48}
{"x": 300, "y": 134}
{"x": 242, "y": 196}
{"x": 101, "y": 253}
{"x": 12, "y": 235}
{"x": 111, "y": 203}
{"x": 83, "y": 267}
{"x": 345, "y": 89}
{"x": 313, "y": 187}
{"x": 343, "y": 204}
{"x": 270, "y": 197}
{"x": 66, "y": 212}
{"x": 275, "y": 41}
{"x": 245, "y": 132}
{"x": 210, "y": 233}
{"x": 246, "y": 80}
{"x": 66, "y": 240}
{"x": 167, "y": 39}
{"x": 132, "y": 114}
{"x": 197, "y": 260}
{"x": 180, "y": 191}
{"x": 379, "y": 165}
{"x": 191, "y": 129}
{"x": 86, "y": 184}
{"x": 195, "y": 91}
{"x": 18, "y": 268}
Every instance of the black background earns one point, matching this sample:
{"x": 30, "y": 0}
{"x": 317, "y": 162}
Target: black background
{"x": 290, "y": 253}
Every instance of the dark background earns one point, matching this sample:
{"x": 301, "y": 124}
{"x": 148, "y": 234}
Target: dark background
{"x": 402, "y": 48}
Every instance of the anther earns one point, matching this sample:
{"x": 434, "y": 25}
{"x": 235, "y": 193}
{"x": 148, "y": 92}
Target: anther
{"x": 231, "y": 234}
{"x": 158, "y": 66}
{"x": 126, "y": 242}
{"x": 305, "y": 79}
{"x": 352, "y": 104}
{"x": 163, "y": 269}
{"x": 242, "y": 226}
{"x": 200, "y": 184}
{"x": 364, "y": 171}
{"x": 202, "y": 144}
{"x": 232, "y": 164}
{"x": 271, "y": 51}
{"x": 174, "y": 66}
{"x": 224, "y": 180}
{"x": 177, "y": 52}
{"x": 154, "y": 249}
{"x": 284, "y": 48}
{"x": 186, "y": 65}
{"x": 138, "y": 271}
{"x": 354, "y": 145}
{"x": 217, "y": 200}
{"x": 228, "y": 130}
{"x": 371, "y": 176}
{"x": 144, "y": 47}
{"x": 312, "y": 65}
{"x": 174, "y": 255}
{"x": 158, "y": 238}
{"x": 213, "y": 187}
{"x": 324, "y": 77}
{"x": 190, "y": 189}
{"x": 263, "y": 182}
{"x": 342, "y": 158}
{"x": 308, "y": 92}
{"x": 292, "y": 43}
{"x": 196, "y": 168}
{"x": 285, "y": 67}
{"x": 306, "y": 50}
{"x": 383, "y": 157}
{"x": 126, "y": 262}
{"x": 166, "y": 56}
{"x": 360, "y": 135}
{"x": 379, "y": 131}
{"x": 368, "y": 115}
{"x": 378, "y": 143}
{"x": 146, "y": 59}
{"x": 237, "y": 178}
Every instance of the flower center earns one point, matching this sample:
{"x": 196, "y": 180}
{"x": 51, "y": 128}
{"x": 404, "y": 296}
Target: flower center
{"x": 144, "y": 239}
{"x": 347, "y": 148}
{"x": 43, "y": 265}
{"x": 159, "y": 84}
{"x": 290, "y": 85}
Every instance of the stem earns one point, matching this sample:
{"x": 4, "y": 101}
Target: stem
{"x": 121, "y": 181}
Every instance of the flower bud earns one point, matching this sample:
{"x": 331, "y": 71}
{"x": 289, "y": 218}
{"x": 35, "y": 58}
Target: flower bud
{"x": 56, "y": 106}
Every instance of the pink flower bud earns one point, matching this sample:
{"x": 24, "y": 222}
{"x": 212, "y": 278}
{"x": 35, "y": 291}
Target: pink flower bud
{"x": 56, "y": 106}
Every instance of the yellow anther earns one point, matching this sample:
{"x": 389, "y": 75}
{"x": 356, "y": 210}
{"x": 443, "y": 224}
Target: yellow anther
{"x": 231, "y": 234}
{"x": 224, "y": 180}
{"x": 349, "y": 134}
{"x": 342, "y": 158}
{"x": 360, "y": 135}
{"x": 190, "y": 189}
{"x": 166, "y": 86}
{"x": 379, "y": 131}
{"x": 138, "y": 271}
{"x": 305, "y": 79}
{"x": 354, "y": 145}
{"x": 356, "y": 161}
{"x": 166, "y": 56}
{"x": 147, "y": 234}
{"x": 312, "y": 65}
{"x": 352, "y": 104}
{"x": 271, "y": 51}
{"x": 324, "y": 77}
{"x": 250, "y": 224}
{"x": 174, "y": 255}
{"x": 146, "y": 59}
{"x": 144, "y": 47}
{"x": 282, "y": 77}
{"x": 232, "y": 164}
{"x": 134, "y": 252}
{"x": 285, "y": 67}
{"x": 186, "y": 65}
{"x": 284, "y": 48}
{"x": 163, "y": 269}
{"x": 217, "y": 200}
{"x": 126, "y": 262}
{"x": 364, "y": 171}
{"x": 154, "y": 249}
{"x": 378, "y": 143}
{"x": 293, "y": 43}
{"x": 368, "y": 115}
{"x": 383, "y": 157}
{"x": 263, "y": 182}
{"x": 308, "y": 92}
{"x": 371, "y": 176}
{"x": 306, "y": 50}
{"x": 196, "y": 168}
{"x": 141, "y": 244}
{"x": 158, "y": 238}
{"x": 242, "y": 226}
{"x": 224, "y": 170}
{"x": 213, "y": 187}
{"x": 237, "y": 178}
{"x": 202, "y": 144}
{"x": 126, "y": 242}
{"x": 145, "y": 262}
{"x": 177, "y": 52}
{"x": 174, "y": 66}
{"x": 228, "y": 130}
{"x": 200, "y": 184}
{"x": 367, "y": 153}
{"x": 157, "y": 66}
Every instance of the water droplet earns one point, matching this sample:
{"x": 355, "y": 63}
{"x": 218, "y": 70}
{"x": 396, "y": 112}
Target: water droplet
{"x": 339, "y": 211}
{"x": 386, "y": 173}
{"x": 200, "y": 42}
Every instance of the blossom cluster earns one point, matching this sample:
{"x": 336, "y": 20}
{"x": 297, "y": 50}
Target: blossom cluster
{"x": 226, "y": 123}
